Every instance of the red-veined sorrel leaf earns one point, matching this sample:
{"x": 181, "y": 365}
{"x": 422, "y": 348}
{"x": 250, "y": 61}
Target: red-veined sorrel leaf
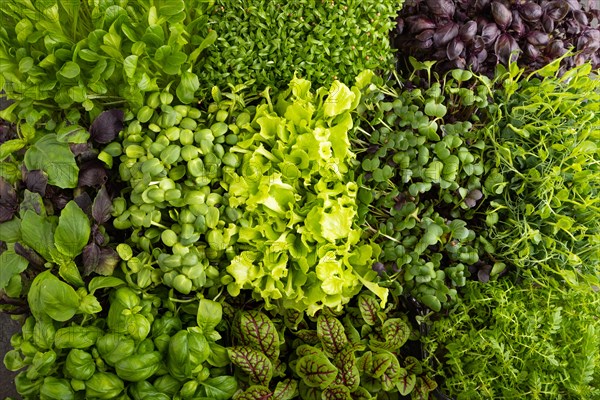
{"x": 259, "y": 332}
{"x": 254, "y": 363}
{"x": 381, "y": 362}
{"x": 331, "y": 333}
{"x": 307, "y": 336}
{"x": 316, "y": 371}
{"x": 348, "y": 374}
{"x": 391, "y": 374}
{"x": 286, "y": 390}
{"x": 255, "y": 392}
{"x": 336, "y": 392}
{"x": 406, "y": 382}
{"x": 368, "y": 307}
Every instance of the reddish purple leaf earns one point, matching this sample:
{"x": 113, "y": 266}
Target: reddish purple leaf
{"x": 105, "y": 128}
{"x": 468, "y": 31}
{"x": 454, "y": 49}
{"x": 445, "y": 33}
{"x": 502, "y": 15}
{"x": 102, "y": 206}
{"x": 531, "y": 11}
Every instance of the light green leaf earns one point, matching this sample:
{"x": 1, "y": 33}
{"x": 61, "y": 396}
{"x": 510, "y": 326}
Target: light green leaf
{"x": 101, "y": 282}
{"x": 70, "y": 70}
{"x": 210, "y": 314}
{"x": 54, "y": 158}
{"x": 73, "y": 230}
{"x": 340, "y": 99}
{"x": 38, "y": 233}
{"x": 12, "y": 264}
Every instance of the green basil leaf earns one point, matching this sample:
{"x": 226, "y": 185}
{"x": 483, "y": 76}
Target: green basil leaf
{"x": 12, "y": 264}
{"x": 38, "y": 233}
{"x": 54, "y": 158}
{"x": 73, "y": 230}
{"x": 220, "y": 387}
{"x": 210, "y": 314}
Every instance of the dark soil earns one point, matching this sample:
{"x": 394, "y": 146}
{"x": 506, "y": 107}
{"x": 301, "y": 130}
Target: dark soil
{"x": 7, "y": 328}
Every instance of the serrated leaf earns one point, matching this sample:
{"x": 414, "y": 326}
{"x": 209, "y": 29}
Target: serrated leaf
{"x": 331, "y": 333}
{"x": 102, "y": 206}
{"x": 255, "y": 364}
{"x": 260, "y": 333}
{"x": 369, "y": 308}
{"x": 316, "y": 370}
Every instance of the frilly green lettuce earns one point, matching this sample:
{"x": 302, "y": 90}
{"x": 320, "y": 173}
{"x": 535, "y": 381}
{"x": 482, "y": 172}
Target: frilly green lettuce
{"x": 304, "y": 249}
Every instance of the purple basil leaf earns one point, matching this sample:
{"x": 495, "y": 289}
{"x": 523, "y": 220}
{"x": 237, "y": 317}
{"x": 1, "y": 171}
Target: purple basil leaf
{"x": 92, "y": 173}
{"x": 580, "y": 17}
{"x": 490, "y": 33}
{"x": 399, "y": 25}
{"x": 538, "y": 38}
{"x": 445, "y": 33}
{"x": 454, "y": 49}
{"x": 548, "y": 24}
{"x": 481, "y": 4}
{"x": 473, "y": 63}
{"x": 97, "y": 235}
{"x": 84, "y": 201}
{"x": 557, "y": 9}
{"x": 425, "y": 35}
{"x": 531, "y": 51}
{"x": 8, "y": 201}
{"x": 504, "y": 47}
{"x": 30, "y": 255}
{"x": 484, "y": 273}
{"x": 424, "y": 45}
{"x": 36, "y": 181}
{"x": 518, "y": 26}
{"x": 502, "y": 15}
{"x": 101, "y": 260}
{"x": 105, "y": 128}
{"x": 482, "y": 56}
{"x": 102, "y": 206}
{"x": 531, "y": 11}
{"x": 589, "y": 41}
{"x": 478, "y": 45}
{"x": 418, "y": 24}
{"x": 79, "y": 149}
{"x": 468, "y": 31}
{"x": 441, "y": 8}
{"x": 556, "y": 49}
